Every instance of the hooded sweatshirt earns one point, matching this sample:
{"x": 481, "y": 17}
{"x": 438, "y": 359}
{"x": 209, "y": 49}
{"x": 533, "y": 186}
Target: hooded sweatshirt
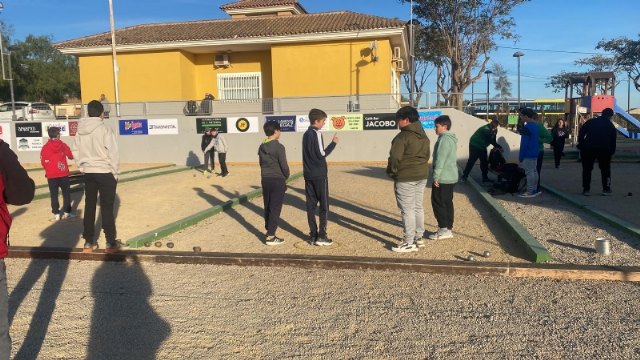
{"x": 445, "y": 167}
{"x": 409, "y": 154}
{"x": 53, "y": 158}
{"x": 529, "y": 136}
{"x": 273, "y": 160}
{"x": 95, "y": 149}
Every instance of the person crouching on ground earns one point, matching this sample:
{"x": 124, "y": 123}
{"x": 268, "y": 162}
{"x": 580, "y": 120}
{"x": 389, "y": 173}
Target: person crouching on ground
{"x": 274, "y": 171}
{"x": 96, "y": 153}
{"x": 528, "y": 156}
{"x": 445, "y": 177}
{"x": 53, "y": 157}
{"x": 408, "y": 168}
{"x": 478, "y": 143}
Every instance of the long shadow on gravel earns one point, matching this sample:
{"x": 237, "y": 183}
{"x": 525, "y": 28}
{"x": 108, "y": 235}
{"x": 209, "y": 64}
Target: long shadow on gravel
{"x": 123, "y": 324}
{"x": 232, "y": 212}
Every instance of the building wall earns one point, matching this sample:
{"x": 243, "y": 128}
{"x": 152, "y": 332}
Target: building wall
{"x": 331, "y": 68}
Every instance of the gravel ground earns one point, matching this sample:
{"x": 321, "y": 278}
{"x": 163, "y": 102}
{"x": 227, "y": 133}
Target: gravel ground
{"x": 92, "y": 310}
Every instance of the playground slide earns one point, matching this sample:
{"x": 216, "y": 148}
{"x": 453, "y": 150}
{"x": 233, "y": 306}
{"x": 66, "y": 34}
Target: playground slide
{"x": 630, "y": 134}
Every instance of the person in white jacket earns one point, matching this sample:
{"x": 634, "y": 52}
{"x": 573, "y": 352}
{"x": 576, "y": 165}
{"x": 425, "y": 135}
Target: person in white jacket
{"x": 219, "y": 144}
{"x": 97, "y": 157}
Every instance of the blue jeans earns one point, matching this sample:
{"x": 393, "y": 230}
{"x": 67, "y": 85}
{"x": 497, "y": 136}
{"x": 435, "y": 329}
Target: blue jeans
{"x": 529, "y": 166}
{"x": 410, "y": 198}
{"x": 5, "y": 339}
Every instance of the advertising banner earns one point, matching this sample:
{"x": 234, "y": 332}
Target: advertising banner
{"x": 427, "y": 117}
{"x": 287, "y": 122}
{"x": 63, "y": 125}
{"x": 345, "y": 122}
{"x": 512, "y": 119}
{"x": 163, "y": 126}
{"x": 30, "y": 144}
{"x": 303, "y": 123}
{"x": 219, "y": 123}
{"x": 29, "y": 136}
{"x": 134, "y": 127}
{"x": 5, "y": 133}
{"x": 243, "y": 124}
{"x": 385, "y": 121}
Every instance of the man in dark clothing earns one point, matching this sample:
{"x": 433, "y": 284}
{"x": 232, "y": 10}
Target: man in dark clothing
{"x": 17, "y": 189}
{"x": 480, "y": 140}
{"x": 597, "y": 140}
{"x": 208, "y": 154}
{"x": 274, "y": 171}
{"x": 316, "y": 182}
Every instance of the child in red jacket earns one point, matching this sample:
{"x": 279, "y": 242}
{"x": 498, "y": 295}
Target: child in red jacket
{"x": 53, "y": 157}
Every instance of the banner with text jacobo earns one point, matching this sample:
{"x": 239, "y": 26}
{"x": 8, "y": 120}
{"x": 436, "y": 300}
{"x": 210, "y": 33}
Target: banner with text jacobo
{"x": 383, "y": 121}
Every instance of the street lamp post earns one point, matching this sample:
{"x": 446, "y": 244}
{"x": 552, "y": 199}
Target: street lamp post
{"x": 10, "y": 79}
{"x": 488, "y": 72}
{"x": 412, "y": 60}
{"x": 518, "y": 54}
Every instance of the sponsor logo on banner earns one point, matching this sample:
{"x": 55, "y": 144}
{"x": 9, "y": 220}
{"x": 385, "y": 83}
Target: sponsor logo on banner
{"x": 243, "y": 124}
{"x": 204, "y": 123}
{"x": 427, "y": 117}
{"x": 303, "y": 123}
{"x": 134, "y": 127}
{"x": 30, "y": 144}
{"x": 345, "y": 122}
{"x": 287, "y": 123}
{"x": 73, "y": 128}
{"x": 5, "y": 133}
{"x": 63, "y": 125}
{"x": 163, "y": 126}
{"x": 29, "y": 130}
{"x": 385, "y": 121}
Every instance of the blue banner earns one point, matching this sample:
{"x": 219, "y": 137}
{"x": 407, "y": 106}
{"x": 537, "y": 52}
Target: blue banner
{"x": 427, "y": 117}
{"x": 287, "y": 122}
{"x": 134, "y": 127}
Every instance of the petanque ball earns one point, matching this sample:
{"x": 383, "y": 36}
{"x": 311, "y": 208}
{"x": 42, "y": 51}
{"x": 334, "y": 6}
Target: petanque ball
{"x": 170, "y": 245}
{"x": 158, "y": 243}
{"x": 196, "y": 249}
{"x": 471, "y": 258}
{"x": 486, "y": 253}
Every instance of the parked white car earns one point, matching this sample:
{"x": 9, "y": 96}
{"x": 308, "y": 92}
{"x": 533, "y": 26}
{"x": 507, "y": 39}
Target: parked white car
{"x": 27, "y": 111}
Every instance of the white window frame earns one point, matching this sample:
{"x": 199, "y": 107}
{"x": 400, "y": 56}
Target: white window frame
{"x": 240, "y": 86}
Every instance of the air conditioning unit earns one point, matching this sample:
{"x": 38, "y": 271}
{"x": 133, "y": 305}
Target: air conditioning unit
{"x": 222, "y": 60}
{"x": 396, "y": 53}
{"x": 399, "y": 65}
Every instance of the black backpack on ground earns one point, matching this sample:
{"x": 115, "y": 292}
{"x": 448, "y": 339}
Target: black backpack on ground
{"x": 512, "y": 179}
{"x": 496, "y": 160}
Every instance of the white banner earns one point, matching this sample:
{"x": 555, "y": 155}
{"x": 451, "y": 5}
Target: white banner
{"x": 302, "y": 123}
{"x": 5, "y": 133}
{"x": 63, "y": 125}
{"x": 163, "y": 126}
{"x": 243, "y": 124}
{"x": 30, "y": 144}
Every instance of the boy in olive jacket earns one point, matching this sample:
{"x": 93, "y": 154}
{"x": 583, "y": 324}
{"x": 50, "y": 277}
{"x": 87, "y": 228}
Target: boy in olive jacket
{"x": 445, "y": 177}
{"x": 408, "y": 168}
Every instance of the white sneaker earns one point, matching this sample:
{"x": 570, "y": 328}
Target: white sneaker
{"x": 419, "y": 242}
{"x": 404, "y": 247}
{"x": 442, "y": 233}
{"x": 56, "y": 217}
{"x": 69, "y": 215}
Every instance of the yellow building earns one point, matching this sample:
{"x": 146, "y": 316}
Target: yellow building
{"x": 266, "y": 49}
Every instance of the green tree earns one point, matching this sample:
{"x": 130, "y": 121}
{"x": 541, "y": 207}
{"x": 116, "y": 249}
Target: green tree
{"x": 43, "y": 73}
{"x": 558, "y": 82}
{"x": 501, "y": 81}
{"x": 467, "y": 30}
{"x": 625, "y": 56}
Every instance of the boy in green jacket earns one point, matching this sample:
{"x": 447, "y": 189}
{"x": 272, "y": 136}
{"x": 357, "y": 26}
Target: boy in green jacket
{"x": 545, "y": 138}
{"x": 445, "y": 177}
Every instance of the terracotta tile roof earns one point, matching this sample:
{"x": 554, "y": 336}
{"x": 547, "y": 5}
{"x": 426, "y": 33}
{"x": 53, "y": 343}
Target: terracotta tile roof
{"x": 243, "y": 4}
{"x": 224, "y": 29}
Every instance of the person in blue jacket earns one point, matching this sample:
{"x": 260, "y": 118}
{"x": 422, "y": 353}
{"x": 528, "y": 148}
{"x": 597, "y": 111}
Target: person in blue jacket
{"x": 528, "y": 156}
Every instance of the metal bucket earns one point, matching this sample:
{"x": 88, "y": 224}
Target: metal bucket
{"x": 603, "y": 247}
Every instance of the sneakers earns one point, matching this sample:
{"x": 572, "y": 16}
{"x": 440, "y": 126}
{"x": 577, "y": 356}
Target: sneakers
{"x": 527, "y": 194}
{"x": 419, "y": 242}
{"x": 607, "y": 192}
{"x": 323, "y": 241}
{"x": 89, "y": 247}
{"x": 113, "y": 247}
{"x": 312, "y": 239}
{"x": 274, "y": 240}
{"x": 57, "y": 217}
{"x": 405, "y": 247}
{"x": 69, "y": 215}
{"x": 442, "y": 233}
{"x": 586, "y": 193}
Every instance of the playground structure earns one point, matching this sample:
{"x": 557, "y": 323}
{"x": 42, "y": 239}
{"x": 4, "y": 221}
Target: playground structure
{"x": 594, "y": 92}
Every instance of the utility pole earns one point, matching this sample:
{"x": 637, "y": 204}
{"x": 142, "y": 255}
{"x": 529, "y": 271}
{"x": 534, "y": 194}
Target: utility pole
{"x": 115, "y": 61}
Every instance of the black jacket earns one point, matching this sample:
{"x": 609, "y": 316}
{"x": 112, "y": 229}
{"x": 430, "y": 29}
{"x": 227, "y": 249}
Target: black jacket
{"x": 273, "y": 160}
{"x": 19, "y": 189}
{"x": 206, "y": 140}
{"x": 314, "y": 154}
{"x": 598, "y": 134}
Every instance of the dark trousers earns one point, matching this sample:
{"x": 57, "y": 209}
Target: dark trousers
{"x": 475, "y": 154}
{"x": 209, "y": 156}
{"x": 317, "y": 191}
{"x": 273, "y": 195}
{"x": 105, "y": 185}
{"x": 222, "y": 157}
{"x": 539, "y": 167}
{"x": 557, "y": 153}
{"x": 589, "y": 156}
{"x": 442, "y": 204}
{"x": 63, "y": 184}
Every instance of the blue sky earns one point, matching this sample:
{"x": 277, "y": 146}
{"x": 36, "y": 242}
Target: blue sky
{"x": 551, "y": 25}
